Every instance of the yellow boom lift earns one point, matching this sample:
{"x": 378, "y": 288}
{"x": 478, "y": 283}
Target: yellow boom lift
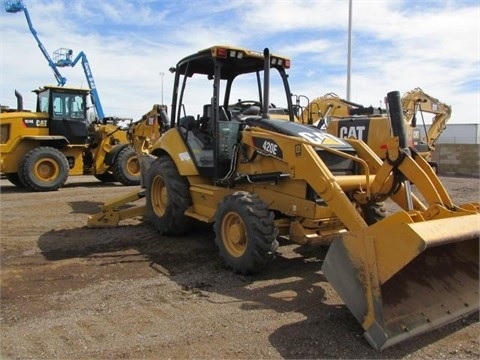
{"x": 256, "y": 177}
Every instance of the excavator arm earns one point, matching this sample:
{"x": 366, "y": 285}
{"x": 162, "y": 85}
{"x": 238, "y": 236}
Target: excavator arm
{"x": 321, "y": 109}
{"x": 417, "y": 100}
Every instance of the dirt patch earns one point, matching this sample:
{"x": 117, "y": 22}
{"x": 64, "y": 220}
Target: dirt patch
{"x": 71, "y": 292}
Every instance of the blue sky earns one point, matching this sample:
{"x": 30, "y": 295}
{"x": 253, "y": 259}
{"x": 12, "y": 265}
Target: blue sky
{"x": 396, "y": 45}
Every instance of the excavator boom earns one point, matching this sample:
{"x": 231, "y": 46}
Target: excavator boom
{"x": 417, "y": 101}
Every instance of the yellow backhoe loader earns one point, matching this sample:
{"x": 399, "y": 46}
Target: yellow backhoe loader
{"x": 256, "y": 177}
{"x": 344, "y": 118}
{"x": 39, "y": 150}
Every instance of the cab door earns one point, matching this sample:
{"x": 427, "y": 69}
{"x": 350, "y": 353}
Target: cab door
{"x": 69, "y": 117}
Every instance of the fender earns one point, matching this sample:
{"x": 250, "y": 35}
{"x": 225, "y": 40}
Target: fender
{"x": 13, "y": 152}
{"x": 173, "y": 144}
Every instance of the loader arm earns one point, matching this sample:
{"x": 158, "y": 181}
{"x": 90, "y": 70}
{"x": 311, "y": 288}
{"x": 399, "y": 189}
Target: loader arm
{"x": 143, "y": 133}
{"x": 416, "y": 269}
{"x": 312, "y": 169}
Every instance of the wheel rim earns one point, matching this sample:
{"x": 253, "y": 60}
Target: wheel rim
{"x": 159, "y": 196}
{"x": 234, "y": 234}
{"x": 133, "y": 166}
{"x": 46, "y": 169}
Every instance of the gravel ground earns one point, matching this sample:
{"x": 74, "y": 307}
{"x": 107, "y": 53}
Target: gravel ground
{"x": 70, "y": 292}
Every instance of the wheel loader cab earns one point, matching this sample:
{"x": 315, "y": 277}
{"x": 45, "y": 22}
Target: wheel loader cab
{"x": 67, "y": 112}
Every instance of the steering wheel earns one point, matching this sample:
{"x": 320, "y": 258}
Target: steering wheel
{"x": 245, "y": 104}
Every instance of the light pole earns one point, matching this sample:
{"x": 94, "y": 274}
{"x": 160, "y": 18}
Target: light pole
{"x": 161, "y": 74}
{"x": 349, "y": 56}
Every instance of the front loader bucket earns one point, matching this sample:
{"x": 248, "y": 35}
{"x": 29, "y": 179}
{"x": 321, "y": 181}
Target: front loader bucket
{"x": 400, "y": 278}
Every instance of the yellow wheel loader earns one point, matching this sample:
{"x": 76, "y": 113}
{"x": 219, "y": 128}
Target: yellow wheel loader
{"x": 39, "y": 150}
{"x": 257, "y": 177}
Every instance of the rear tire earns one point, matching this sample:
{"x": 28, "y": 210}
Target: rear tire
{"x": 126, "y": 168}
{"x": 43, "y": 169}
{"x": 245, "y": 233}
{"x": 168, "y": 197}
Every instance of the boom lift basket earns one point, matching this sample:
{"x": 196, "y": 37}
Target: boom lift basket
{"x": 62, "y": 56}
{"x": 13, "y": 6}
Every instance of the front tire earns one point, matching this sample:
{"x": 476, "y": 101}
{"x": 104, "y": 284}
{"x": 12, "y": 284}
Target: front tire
{"x": 374, "y": 212}
{"x": 126, "y": 168}
{"x": 43, "y": 169}
{"x": 245, "y": 233}
{"x": 168, "y": 197}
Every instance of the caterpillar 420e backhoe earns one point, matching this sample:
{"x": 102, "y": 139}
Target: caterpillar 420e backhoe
{"x": 256, "y": 178}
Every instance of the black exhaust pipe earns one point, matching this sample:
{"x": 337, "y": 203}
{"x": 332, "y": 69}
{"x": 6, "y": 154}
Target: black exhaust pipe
{"x": 399, "y": 129}
{"x": 266, "y": 82}
{"x": 19, "y": 101}
{"x": 396, "y": 117}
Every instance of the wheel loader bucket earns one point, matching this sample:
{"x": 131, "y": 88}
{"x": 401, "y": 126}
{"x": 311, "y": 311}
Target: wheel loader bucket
{"x": 401, "y": 278}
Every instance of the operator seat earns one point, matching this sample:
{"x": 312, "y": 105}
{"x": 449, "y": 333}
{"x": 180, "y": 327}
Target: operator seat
{"x": 187, "y": 122}
{"x": 198, "y": 140}
{"x": 224, "y": 115}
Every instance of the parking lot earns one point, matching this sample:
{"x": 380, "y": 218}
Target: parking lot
{"x": 71, "y": 292}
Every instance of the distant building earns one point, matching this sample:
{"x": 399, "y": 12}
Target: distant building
{"x": 456, "y": 134}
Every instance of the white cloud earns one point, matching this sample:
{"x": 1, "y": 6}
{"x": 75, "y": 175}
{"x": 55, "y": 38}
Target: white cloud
{"x": 397, "y": 45}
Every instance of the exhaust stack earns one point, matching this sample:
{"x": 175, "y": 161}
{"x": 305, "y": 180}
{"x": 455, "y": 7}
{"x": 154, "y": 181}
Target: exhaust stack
{"x": 19, "y": 101}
